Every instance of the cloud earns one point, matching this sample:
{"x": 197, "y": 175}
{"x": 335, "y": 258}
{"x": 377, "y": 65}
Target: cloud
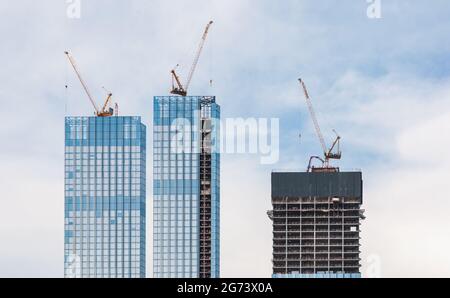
{"x": 407, "y": 204}
{"x": 32, "y": 218}
{"x": 382, "y": 84}
{"x": 246, "y": 231}
{"x": 401, "y": 121}
{"x": 393, "y": 128}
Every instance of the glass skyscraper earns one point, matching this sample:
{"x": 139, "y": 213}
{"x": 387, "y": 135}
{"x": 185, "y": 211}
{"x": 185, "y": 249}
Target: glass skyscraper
{"x": 186, "y": 189}
{"x": 104, "y": 197}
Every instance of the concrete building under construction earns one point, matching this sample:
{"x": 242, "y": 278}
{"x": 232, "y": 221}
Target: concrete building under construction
{"x": 316, "y": 224}
{"x": 317, "y": 215}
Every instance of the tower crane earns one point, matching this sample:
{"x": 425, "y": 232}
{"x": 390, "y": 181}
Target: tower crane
{"x": 106, "y": 110}
{"x": 106, "y": 104}
{"x": 179, "y": 89}
{"x": 329, "y": 153}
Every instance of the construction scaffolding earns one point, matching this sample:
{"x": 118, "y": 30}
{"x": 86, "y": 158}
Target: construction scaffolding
{"x": 316, "y": 223}
{"x": 205, "y": 190}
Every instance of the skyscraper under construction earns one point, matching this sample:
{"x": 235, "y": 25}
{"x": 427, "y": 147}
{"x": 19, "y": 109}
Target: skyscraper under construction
{"x": 186, "y": 187}
{"x": 316, "y": 224}
{"x": 186, "y": 181}
{"x": 317, "y": 216}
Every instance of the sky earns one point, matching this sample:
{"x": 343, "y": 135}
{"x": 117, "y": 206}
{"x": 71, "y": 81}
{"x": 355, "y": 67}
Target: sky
{"x": 382, "y": 83}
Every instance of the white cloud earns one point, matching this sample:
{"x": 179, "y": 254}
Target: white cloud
{"x": 405, "y": 190}
{"x": 418, "y": 192}
{"x": 394, "y": 127}
{"x": 246, "y": 231}
{"x": 379, "y": 83}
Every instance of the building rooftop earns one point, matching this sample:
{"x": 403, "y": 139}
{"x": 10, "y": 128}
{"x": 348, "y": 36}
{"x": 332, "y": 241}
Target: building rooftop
{"x": 317, "y": 184}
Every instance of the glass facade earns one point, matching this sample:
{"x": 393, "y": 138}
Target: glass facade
{"x": 104, "y": 197}
{"x": 186, "y": 192}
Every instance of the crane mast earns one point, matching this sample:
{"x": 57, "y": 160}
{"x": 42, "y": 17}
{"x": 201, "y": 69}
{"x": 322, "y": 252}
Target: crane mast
{"x": 105, "y": 112}
{"x": 180, "y": 89}
{"x": 327, "y": 153}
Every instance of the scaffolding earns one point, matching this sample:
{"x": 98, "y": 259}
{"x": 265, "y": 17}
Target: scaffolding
{"x": 205, "y": 190}
{"x": 316, "y": 234}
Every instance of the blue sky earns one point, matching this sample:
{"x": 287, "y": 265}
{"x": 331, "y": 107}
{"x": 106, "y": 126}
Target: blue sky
{"x": 382, "y": 83}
